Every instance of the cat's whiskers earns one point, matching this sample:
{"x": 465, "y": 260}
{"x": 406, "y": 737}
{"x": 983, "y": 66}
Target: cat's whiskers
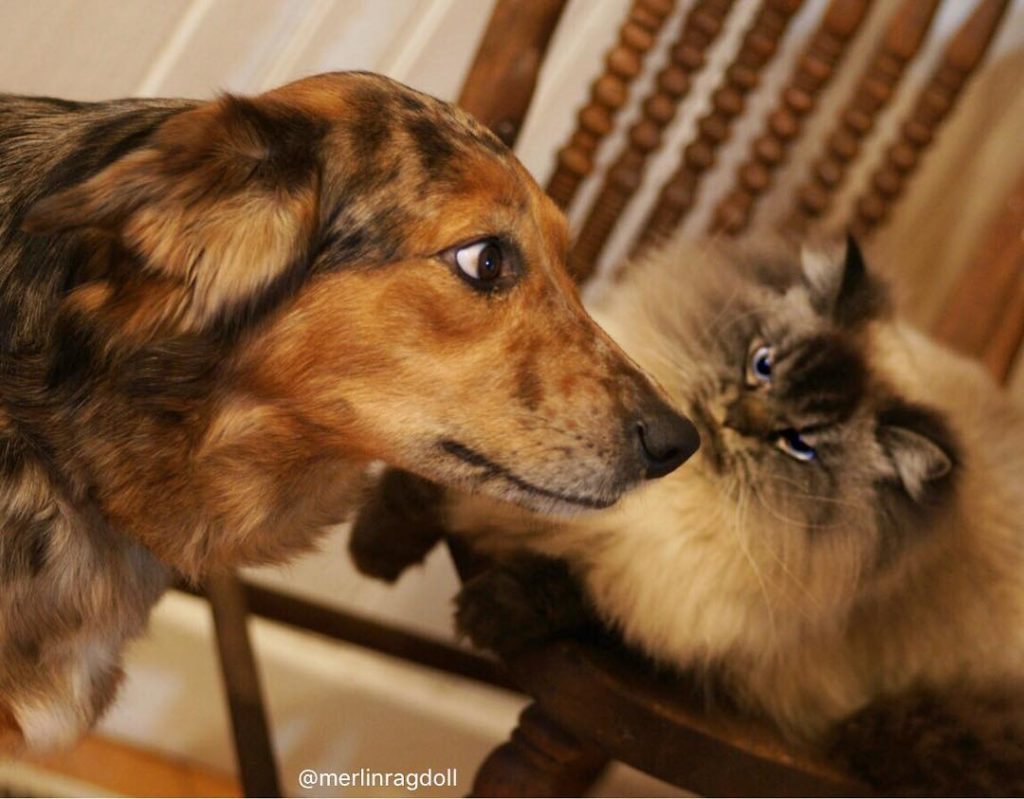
{"x": 738, "y": 533}
{"x": 725, "y": 321}
{"x": 794, "y": 579}
{"x": 791, "y": 520}
{"x": 796, "y": 492}
{"x": 710, "y": 327}
{"x": 668, "y": 360}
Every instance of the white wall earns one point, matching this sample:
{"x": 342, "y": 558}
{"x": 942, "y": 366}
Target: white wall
{"x": 96, "y": 49}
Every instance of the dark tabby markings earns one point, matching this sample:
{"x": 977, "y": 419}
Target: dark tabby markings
{"x": 825, "y": 377}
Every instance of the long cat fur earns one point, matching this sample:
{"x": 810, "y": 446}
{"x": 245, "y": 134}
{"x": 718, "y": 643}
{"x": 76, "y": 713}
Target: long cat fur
{"x": 871, "y": 600}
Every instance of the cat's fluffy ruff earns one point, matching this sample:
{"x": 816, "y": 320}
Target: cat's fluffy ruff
{"x": 811, "y": 605}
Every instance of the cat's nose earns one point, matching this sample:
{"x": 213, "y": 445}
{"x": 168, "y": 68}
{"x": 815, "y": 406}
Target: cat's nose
{"x": 749, "y": 416}
{"x": 667, "y": 440}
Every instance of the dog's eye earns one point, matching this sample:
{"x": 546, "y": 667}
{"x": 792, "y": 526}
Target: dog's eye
{"x": 482, "y": 261}
{"x": 489, "y": 264}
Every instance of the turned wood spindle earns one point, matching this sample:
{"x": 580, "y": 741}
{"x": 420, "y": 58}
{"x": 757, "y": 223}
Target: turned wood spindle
{"x": 933, "y": 104}
{"x": 608, "y": 94}
{"x": 759, "y": 45}
{"x": 541, "y": 759}
{"x": 699, "y": 29}
{"x": 903, "y": 37}
{"x": 814, "y": 69}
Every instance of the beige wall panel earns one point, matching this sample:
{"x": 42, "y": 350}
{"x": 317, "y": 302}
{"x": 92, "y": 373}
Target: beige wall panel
{"x": 82, "y": 49}
{"x": 230, "y": 45}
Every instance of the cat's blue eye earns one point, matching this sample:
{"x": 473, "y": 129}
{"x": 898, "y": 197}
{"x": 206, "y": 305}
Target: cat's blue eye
{"x": 761, "y": 361}
{"x": 793, "y": 444}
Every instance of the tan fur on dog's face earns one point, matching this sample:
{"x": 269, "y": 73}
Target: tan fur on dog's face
{"x": 514, "y": 391}
{"x": 414, "y": 366}
{"x": 317, "y": 227}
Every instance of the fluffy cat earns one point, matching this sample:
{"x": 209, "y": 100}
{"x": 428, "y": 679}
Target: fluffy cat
{"x": 846, "y": 551}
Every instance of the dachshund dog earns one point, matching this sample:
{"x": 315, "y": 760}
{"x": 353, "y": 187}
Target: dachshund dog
{"x": 214, "y": 315}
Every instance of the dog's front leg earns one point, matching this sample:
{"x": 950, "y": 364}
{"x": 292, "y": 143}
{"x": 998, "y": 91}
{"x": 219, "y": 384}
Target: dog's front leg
{"x": 399, "y": 523}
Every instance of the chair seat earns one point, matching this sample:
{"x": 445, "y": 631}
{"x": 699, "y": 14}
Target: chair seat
{"x": 656, "y": 723}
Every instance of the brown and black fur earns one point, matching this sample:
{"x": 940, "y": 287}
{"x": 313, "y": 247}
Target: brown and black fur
{"x": 961, "y": 740}
{"x": 213, "y": 315}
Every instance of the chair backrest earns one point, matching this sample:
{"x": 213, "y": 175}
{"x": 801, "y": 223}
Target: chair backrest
{"x": 782, "y": 114}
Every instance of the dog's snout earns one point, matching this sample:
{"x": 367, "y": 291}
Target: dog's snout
{"x": 667, "y": 440}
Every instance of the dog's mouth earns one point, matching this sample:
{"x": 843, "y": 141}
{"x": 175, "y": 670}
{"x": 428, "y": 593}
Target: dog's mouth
{"x": 491, "y": 470}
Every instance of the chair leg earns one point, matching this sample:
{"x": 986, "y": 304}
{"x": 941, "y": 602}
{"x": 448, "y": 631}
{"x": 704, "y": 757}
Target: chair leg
{"x": 540, "y": 759}
{"x": 253, "y": 750}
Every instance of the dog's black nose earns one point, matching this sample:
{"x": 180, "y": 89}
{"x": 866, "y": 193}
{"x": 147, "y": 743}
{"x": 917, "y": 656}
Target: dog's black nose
{"x": 666, "y": 441}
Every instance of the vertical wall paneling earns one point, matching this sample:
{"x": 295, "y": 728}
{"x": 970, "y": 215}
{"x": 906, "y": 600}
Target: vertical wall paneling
{"x": 166, "y": 58}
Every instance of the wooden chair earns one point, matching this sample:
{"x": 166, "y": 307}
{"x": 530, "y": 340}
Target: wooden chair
{"x": 590, "y": 706}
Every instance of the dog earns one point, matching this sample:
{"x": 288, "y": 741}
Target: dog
{"x": 214, "y": 315}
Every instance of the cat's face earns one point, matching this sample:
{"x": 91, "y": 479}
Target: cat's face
{"x": 771, "y": 355}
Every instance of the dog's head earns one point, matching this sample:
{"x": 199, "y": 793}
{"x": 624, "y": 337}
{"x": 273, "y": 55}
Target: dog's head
{"x": 381, "y": 266}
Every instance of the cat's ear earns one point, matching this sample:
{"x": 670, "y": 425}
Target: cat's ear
{"x": 216, "y": 207}
{"x": 920, "y": 448}
{"x": 839, "y": 284}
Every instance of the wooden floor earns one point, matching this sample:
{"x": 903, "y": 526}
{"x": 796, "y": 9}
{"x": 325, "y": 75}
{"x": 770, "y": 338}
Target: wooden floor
{"x": 125, "y": 769}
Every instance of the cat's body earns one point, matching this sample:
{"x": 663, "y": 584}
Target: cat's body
{"x": 889, "y": 560}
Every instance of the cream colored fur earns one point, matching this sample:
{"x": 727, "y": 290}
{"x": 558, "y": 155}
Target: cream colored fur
{"x": 699, "y": 569}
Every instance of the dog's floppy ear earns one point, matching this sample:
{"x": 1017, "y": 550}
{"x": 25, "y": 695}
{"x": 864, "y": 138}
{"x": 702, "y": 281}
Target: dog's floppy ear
{"x": 222, "y": 202}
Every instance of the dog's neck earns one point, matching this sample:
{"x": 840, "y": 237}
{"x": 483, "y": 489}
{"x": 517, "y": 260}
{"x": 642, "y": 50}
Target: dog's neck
{"x": 251, "y": 486}
{"x": 194, "y": 460}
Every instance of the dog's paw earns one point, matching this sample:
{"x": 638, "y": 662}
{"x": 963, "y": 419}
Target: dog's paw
{"x": 398, "y": 524}
{"x": 520, "y": 603}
